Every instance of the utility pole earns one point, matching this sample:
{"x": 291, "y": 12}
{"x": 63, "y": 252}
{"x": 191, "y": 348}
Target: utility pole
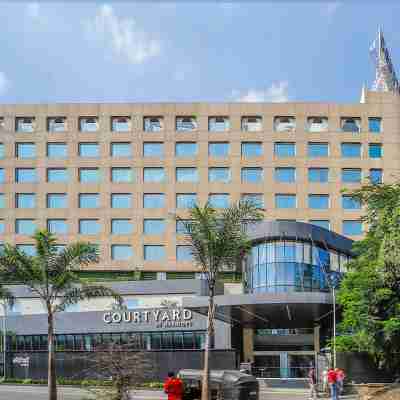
{"x": 334, "y": 325}
{"x": 4, "y": 305}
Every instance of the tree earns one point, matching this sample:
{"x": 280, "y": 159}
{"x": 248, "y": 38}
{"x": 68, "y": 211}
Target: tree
{"x": 51, "y": 275}
{"x": 6, "y": 300}
{"x": 370, "y": 291}
{"x": 218, "y": 239}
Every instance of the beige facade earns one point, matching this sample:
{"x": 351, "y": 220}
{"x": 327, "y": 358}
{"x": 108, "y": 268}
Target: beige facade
{"x": 377, "y": 105}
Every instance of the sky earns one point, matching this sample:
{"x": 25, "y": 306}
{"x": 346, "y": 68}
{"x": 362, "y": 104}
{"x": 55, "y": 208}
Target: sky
{"x": 157, "y": 51}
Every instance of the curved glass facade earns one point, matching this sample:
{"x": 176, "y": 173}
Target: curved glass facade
{"x": 290, "y": 266}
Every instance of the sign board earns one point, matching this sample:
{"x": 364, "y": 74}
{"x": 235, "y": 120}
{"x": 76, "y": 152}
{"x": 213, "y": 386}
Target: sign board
{"x": 21, "y": 361}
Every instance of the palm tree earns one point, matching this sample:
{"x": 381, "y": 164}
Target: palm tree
{"x": 51, "y": 275}
{"x": 217, "y": 240}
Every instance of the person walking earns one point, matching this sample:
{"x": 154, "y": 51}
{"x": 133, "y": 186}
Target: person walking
{"x": 312, "y": 381}
{"x": 340, "y": 379}
{"x": 325, "y": 387}
{"x": 173, "y": 387}
{"x": 332, "y": 381}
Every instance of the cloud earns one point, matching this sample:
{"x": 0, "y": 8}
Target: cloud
{"x": 33, "y": 10}
{"x": 330, "y": 8}
{"x": 4, "y": 83}
{"x": 123, "y": 35}
{"x": 276, "y": 93}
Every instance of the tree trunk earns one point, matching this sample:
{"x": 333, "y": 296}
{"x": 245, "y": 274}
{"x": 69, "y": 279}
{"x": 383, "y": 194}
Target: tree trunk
{"x": 51, "y": 379}
{"x": 205, "y": 393}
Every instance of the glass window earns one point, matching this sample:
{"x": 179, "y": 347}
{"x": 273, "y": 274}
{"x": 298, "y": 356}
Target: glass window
{"x": 89, "y": 150}
{"x": 186, "y": 174}
{"x": 375, "y": 150}
{"x": 121, "y": 175}
{"x": 219, "y": 174}
{"x": 57, "y": 175}
{"x": 25, "y": 226}
{"x": 2, "y": 200}
{"x": 318, "y": 175}
{"x": 154, "y": 252}
{"x": 218, "y": 149}
{"x": 2, "y": 151}
{"x": 323, "y": 223}
{"x": 57, "y": 200}
{"x": 154, "y": 226}
{"x": 89, "y": 227}
{"x": 89, "y": 175}
{"x": 252, "y": 175}
{"x": 351, "y": 125}
{"x": 56, "y": 124}
{"x": 374, "y": 125}
{"x": 153, "y": 124}
{"x": 186, "y": 149}
{"x": 376, "y": 176}
{"x": 318, "y": 201}
{"x": 153, "y": 175}
{"x": 121, "y": 149}
{"x": 284, "y": 124}
{"x": 121, "y": 252}
{"x": 256, "y": 199}
{"x": 186, "y": 200}
{"x": 153, "y": 149}
{"x": 181, "y": 226}
{"x": 25, "y": 200}
{"x": 2, "y": 175}
{"x": 25, "y": 150}
{"x": 121, "y": 200}
{"x": 57, "y": 226}
{"x": 316, "y": 150}
{"x": 120, "y": 124}
{"x": 285, "y": 149}
{"x": 186, "y": 124}
{"x": 57, "y": 150}
{"x": 28, "y": 249}
{"x": 2, "y": 227}
{"x": 350, "y": 203}
{"x": 219, "y": 200}
{"x": 251, "y": 124}
{"x": 153, "y": 200}
{"x": 121, "y": 226}
{"x": 89, "y": 200}
{"x": 285, "y": 201}
{"x": 351, "y": 175}
{"x": 252, "y": 149}
{"x": 352, "y": 228}
{"x": 317, "y": 124}
{"x": 25, "y": 124}
{"x": 285, "y": 174}
{"x": 351, "y": 150}
{"x": 184, "y": 253}
{"x": 218, "y": 124}
{"x": 88, "y": 124}
{"x": 25, "y": 175}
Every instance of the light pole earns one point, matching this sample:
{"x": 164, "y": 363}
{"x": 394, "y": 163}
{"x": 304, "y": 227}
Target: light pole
{"x": 333, "y": 278}
{"x": 4, "y": 305}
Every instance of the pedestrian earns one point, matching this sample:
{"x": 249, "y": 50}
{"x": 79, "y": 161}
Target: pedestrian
{"x": 325, "y": 380}
{"x": 173, "y": 387}
{"x": 332, "y": 381}
{"x": 312, "y": 381}
{"x": 340, "y": 379}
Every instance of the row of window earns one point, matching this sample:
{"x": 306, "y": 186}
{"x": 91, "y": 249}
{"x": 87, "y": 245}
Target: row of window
{"x": 190, "y": 123}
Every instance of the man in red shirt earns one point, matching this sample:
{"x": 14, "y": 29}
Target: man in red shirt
{"x": 332, "y": 381}
{"x": 173, "y": 387}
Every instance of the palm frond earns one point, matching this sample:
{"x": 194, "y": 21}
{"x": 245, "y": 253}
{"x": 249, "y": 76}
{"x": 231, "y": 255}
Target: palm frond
{"x": 6, "y": 296}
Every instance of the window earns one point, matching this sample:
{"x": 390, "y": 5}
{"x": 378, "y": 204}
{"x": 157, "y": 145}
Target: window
{"x": 56, "y": 124}
{"x": 375, "y": 176}
{"x": 121, "y": 227}
{"x": 316, "y": 150}
{"x": 218, "y": 149}
{"x": 351, "y": 150}
{"x": 25, "y": 150}
{"x": 285, "y": 174}
{"x": 121, "y": 200}
{"x": 284, "y": 124}
{"x": 57, "y": 200}
{"x": 322, "y": 223}
{"x": 153, "y": 200}
{"x": 154, "y": 226}
{"x": 351, "y": 175}
{"x": 351, "y": 125}
{"x": 89, "y": 175}
{"x": 318, "y": 175}
{"x": 57, "y": 150}
{"x": 88, "y": 124}
{"x": 121, "y": 149}
{"x": 318, "y": 201}
{"x": 154, "y": 253}
{"x": 28, "y": 249}
{"x": 121, "y": 175}
{"x": 153, "y": 124}
{"x": 256, "y": 199}
{"x": 153, "y": 175}
{"x": 186, "y": 149}
{"x": 2, "y": 151}
{"x": 252, "y": 149}
{"x": 184, "y": 253}
{"x": 121, "y": 252}
{"x": 25, "y": 124}
{"x": 25, "y": 175}
{"x": 285, "y": 201}
{"x": 89, "y": 227}
{"x": 375, "y": 150}
{"x": 317, "y": 124}
{"x": 153, "y": 149}
{"x": 251, "y": 124}
{"x": 352, "y": 228}
{"x": 2, "y": 227}
{"x": 285, "y": 149}
{"x": 25, "y": 200}
{"x": 350, "y": 203}
{"x": 218, "y": 124}
{"x": 57, "y": 226}
{"x": 89, "y": 150}
{"x": 25, "y": 226}
{"x": 2, "y": 175}
{"x": 186, "y": 124}
{"x": 219, "y": 174}
{"x": 2, "y": 124}
{"x": 374, "y": 125}
{"x": 186, "y": 174}
{"x": 252, "y": 175}
{"x": 2, "y": 201}
{"x": 186, "y": 200}
{"x": 181, "y": 226}
{"x": 120, "y": 124}
{"x": 57, "y": 175}
{"x": 219, "y": 200}
{"x": 89, "y": 200}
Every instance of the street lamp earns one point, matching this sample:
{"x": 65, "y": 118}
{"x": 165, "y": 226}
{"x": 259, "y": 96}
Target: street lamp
{"x": 4, "y": 306}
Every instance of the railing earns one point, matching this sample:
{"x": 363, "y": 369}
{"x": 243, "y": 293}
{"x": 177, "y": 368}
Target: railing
{"x": 282, "y": 373}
